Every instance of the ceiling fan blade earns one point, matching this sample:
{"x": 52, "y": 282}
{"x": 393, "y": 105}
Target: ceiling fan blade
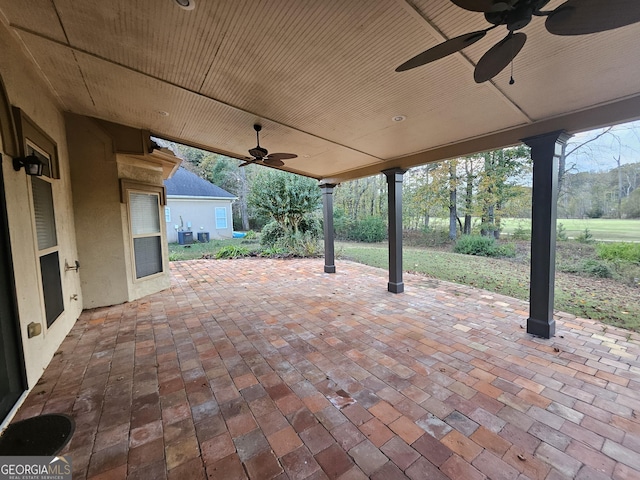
{"x": 274, "y": 162}
{"x": 483, "y": 5}
{"x": 281, "y": 156}
{"x": 499, "y": 56}
{"x": 581, "y": 17}
{"x": 452, "y": 45}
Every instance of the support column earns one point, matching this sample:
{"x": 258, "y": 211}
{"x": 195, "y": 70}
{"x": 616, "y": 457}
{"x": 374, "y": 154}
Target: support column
{"x": 327, "y": 209}
{"x": 545, "y": 152}
{"x": 394, "y": 181}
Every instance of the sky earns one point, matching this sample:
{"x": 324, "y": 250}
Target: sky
{"x": 600, "y": 155}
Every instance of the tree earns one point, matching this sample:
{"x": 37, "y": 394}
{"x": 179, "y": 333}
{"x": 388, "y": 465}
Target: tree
{"x": 453, "y": 198}
{"x": 284, "y": 197}
{"x": 498, "y": 181}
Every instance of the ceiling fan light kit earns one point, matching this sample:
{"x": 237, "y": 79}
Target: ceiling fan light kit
{"x": 573, "y": 17}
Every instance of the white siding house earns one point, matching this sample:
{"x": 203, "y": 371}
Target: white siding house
{"x": 198, "y": 206}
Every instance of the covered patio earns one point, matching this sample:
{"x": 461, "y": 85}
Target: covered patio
{"x": 273, "y": 369}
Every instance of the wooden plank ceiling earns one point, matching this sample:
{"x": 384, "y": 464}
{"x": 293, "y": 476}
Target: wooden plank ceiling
{"x": 319, "y": 76}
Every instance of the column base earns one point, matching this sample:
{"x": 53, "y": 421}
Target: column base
{"x": 329, "y": 269}
{"x": 541, "y": 328}
{"x": 395, "y": 287}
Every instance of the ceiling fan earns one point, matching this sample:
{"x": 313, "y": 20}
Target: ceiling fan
{"x": 573, "y": 17}
{"x": 261, "y": 155}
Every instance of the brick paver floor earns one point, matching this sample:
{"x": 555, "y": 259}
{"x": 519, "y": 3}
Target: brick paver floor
{"x": 272, "y": 369}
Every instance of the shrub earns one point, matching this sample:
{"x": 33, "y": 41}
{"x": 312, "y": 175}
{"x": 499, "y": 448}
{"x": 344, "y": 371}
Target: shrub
{"x": 370, "y": 229}
{"x": 506, "y": 250}
{"x": 561, "y": 233}
{"x": 232, "y": 251}
{"x": 595, "y": 212}
{"x": 312, "y": 225}
{"x": 271, "y": 233}
{"x": 595, "y": 268}
{"x": 625, "y": 252}
{"x": 483, "y": 246}
{"x": 521, "y": 233}
{"x": 250, "y": 235}
{"x": 300, "y": 244}
{"x": 429, "y": 236}
{"x": 272, "y": 252}
{"x": 590, "y": 267}
{"x": 585, "y": 237}
{"x": 475, "y": 245}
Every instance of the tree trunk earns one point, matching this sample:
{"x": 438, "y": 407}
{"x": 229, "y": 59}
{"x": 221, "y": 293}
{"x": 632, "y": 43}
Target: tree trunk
{"x": 467, "y": 224}
{"x": 453, "y": 200}
{"x": 242, "y": 199}
{"x": 619, "y": 187}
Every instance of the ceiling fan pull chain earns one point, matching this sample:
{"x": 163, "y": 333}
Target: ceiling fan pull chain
{"x": 511, "y": 80}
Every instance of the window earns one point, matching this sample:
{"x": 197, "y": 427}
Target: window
{"x": 47, "y": 239}
{"x": 221, "y": 218}
{"x": 144, "y": 214}
{"x": 167, "y": 214}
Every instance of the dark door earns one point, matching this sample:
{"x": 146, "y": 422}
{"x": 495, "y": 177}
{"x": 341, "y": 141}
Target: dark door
{"x": 12, "y": 382}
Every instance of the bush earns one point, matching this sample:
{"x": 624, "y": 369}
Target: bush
{"x": 426, "y": 236}
{"x": 595, "y": 212}
{"x": 251, "y": 235}
{"x": 585, "y": 237}
{"x": 521, "y": 233}
{"x": 312, "y": 225}
{"x": 595, "y": 268}
{"x": 506, "y": 250}
{"x": 561, "y": 233}
{"x": 370, "y": 229}
{"x": 300, "y": 244}
{"x": 590, "y": 267}
{"x": 483, "y": 246}
{"x": 232, "y": 251}
{"x": 625, "y": 252}
{"x": 271, "y": 233}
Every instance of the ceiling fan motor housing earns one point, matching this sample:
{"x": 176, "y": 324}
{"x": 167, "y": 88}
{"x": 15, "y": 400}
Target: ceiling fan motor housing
{"x": 258, "y": 152}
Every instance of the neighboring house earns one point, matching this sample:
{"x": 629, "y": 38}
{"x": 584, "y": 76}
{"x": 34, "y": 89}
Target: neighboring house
{"x": 197, "y": 205}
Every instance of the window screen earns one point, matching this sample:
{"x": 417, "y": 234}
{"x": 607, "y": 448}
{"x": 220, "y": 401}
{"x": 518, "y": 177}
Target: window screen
{"x": 44, "y": 214}
{"x": 221, "y": 217}
{"x": 145, "y": 229}
{"x": 144, "y": 213}
{"x": 148, "y": 255}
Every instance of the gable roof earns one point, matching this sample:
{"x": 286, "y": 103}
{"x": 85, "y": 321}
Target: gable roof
{"x": 188, "y": 184}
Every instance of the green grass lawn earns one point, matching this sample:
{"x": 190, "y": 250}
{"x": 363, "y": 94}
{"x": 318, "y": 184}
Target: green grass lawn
{"x": 602, "y": 229}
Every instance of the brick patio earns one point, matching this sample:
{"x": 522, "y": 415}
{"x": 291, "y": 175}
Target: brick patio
{"x": 272, "y": 369}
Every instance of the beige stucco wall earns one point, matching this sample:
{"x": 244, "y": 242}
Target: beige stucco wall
{"x": 201, "y": 212}
{"x": 27, "y": 92}
{"x": 102, "y": 220}
{"x": 98, "y": 216}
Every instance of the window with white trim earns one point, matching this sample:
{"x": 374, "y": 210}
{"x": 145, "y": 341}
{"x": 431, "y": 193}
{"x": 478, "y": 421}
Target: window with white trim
{"x": 144, "y": 214}
{"x": 221, "y": 218}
